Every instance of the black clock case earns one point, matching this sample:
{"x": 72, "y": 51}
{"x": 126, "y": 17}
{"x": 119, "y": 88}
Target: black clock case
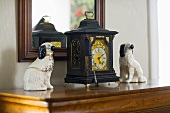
{"x": 83, "y": 73}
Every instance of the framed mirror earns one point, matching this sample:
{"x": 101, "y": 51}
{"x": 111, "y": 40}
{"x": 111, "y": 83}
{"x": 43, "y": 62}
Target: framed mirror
{"x": 26, "y": 52}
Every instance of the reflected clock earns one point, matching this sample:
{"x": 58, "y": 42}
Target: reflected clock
{"x": 90, "y": 54}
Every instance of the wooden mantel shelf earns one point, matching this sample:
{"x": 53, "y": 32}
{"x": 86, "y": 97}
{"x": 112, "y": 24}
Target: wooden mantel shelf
{"x": 133, "y": 97}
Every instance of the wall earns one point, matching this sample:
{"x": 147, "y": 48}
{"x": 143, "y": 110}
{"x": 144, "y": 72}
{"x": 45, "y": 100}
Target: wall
{"x": 61, "y": 21}
{"x": 126, "y": 16}
{"x": 129, "y": 18}
{"x": 11, "y": 72}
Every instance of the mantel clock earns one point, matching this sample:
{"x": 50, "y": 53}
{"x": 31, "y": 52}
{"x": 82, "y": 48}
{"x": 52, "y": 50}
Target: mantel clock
{"x": 90, "y": 53}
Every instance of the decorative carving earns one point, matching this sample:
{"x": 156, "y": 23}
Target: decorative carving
{"x": 75, "y": 53}
{"x": 107, "y": 39}
{"x": 99, "y": 36}
{"x": 91, "y": 39}
{"x": 56, "y": 44}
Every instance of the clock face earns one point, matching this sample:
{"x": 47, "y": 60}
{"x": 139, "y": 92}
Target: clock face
{"x": 100, "y": 56}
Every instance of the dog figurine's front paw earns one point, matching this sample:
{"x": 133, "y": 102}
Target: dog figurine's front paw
{"x": 142, "y": 79}
{"x": 49, "y": 86}
{"x": 125, "y": 80}
{"x": 135, "y": 79}
{"x": 139, "y": 79}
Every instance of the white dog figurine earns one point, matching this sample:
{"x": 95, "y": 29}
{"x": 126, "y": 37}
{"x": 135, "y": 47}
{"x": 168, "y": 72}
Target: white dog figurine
{"x": 37, "y": 75}
{"x": 130, "y": 69}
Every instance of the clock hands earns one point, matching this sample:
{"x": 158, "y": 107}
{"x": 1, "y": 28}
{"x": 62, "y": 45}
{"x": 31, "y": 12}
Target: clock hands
{"x": 101, "y": 55}
{"x": 99, "y": 58}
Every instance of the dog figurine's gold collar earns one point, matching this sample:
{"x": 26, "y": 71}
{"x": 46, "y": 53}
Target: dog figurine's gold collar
{"x": 49, "y": 54}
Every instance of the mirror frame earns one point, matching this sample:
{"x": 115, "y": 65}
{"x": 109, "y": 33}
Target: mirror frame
{"x": 25, "y": 51}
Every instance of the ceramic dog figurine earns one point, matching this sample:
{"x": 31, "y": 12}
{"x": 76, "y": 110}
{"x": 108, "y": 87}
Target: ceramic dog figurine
{"x": 130, "y": 69}
{"x": 37, "y": 75}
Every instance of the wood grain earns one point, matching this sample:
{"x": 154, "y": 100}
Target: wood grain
{"x": 104, "y": 99}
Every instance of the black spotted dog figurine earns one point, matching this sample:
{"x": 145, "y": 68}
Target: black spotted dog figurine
{"x": 130, "y": 69}
{"x": 37, "y": 75}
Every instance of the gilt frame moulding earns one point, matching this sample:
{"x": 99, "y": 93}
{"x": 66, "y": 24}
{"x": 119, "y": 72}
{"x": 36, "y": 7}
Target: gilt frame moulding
{"x": 25, "y": 51}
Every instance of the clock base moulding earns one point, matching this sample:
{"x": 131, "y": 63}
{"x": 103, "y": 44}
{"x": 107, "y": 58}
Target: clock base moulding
{"x": 83, "y": 79}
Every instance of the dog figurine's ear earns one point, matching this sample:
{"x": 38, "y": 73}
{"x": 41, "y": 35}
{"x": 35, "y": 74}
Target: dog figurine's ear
{"x": 122, "y": 50}
{"x": 42, "y": 52}
{"x": 131, "y": 47}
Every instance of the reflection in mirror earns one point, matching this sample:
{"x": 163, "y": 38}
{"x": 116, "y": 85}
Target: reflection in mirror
{"x": 52, "y": 16}
{"x": 46, "y": 32}
{"x": 65, "y": 14}
{"x": 26, "y": 52}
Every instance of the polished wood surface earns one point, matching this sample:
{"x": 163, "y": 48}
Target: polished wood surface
{"x": 136, "y": 97}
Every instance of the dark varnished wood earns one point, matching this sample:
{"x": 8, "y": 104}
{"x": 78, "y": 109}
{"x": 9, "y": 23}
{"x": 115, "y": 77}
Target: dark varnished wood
{"x": 25, "y": 51}
{"x": 142, "y": 97}
{"x": 100, "y": 12}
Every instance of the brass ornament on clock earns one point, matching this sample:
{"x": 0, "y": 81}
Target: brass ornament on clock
{"x": 75, "y": 56}
{"x": 99, "y": 56}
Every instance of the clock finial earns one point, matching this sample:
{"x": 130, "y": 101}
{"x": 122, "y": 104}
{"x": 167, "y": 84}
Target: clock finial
{"x": 89, "y": 14}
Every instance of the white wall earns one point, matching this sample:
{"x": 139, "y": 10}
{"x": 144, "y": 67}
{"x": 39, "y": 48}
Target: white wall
{"x": 163, "y": 38}
{"x": 128, "y": 17}
{"x": 59, "y": 16}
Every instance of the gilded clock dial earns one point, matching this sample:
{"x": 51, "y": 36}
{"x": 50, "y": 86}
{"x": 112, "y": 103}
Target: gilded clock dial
{"x": 99, "y": 58}
{"x": 100, "y": 55}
